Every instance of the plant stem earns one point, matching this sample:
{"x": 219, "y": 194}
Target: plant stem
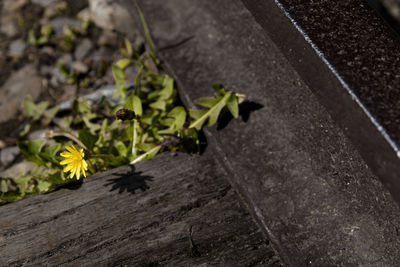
{"x": 134, "y": 137}
{"x": 52, "y": 134}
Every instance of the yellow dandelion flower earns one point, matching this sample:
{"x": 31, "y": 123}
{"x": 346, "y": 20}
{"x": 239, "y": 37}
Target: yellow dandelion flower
{"x": 74, "y": 161}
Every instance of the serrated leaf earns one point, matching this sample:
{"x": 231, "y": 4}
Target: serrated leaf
{"x": 212, "y": 114}
{"x": 197, "y": 113}
{"x": 233, "y": 105}
{"x": 206, "y": 102}
{"x": 219, "y": 88}
{"x": 175, "y": 124}
{"x": 148, "y": 155}
{"x": 216, "y": 110}
{"x": 134, "y": 103}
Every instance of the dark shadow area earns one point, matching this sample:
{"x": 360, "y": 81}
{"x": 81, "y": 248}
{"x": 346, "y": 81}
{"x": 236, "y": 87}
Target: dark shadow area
{"x": 72, "y": 185}
{"x": 177, "y": 44}
{"x": 129, "y": 182}
{"x": 245, "y": 109}
{"x": 385, "y": 14}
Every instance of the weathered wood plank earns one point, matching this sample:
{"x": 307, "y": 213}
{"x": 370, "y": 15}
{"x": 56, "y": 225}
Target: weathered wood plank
{"x": 306, "y": 184}
{"x": 136, "y": 217}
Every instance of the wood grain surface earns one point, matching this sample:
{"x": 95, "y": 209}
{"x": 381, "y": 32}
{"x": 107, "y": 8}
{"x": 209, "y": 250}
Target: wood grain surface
{"x": 171, "y": 211}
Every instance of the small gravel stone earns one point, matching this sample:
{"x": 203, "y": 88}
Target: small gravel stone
{"x": 17, "y": 48}
{"x": 83, "y": 49}
{"x": 43, "y": 3}
{"x": 109, "y": 38}
{"x": 80, "y": 67}
{"x": 17, "y": 169}
{"x": 8, "y": 155}
{"x": 22, "y": 82}
{"x": 59, "y": 23}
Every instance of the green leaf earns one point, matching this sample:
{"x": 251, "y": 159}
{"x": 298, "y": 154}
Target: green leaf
{"x": 197, "y": 113}
{"x": 124, "y": 63}
{"x": 31, "y": 149}
{"x": 119, "y": 77}
{"x": 32, "y": 38}
{"x": 168, "y": 89}
{"x": 93, "y": 127}
{"x": 3, "y": 185}
{"x": 128, "y": 47}
{"x": 88, "y": 139}
{"x": 32, "y": 110}
{"x": 134, "y": 103}
{"x": 46, "y": 30}
{"x": 176, "y": 124}
{"x": 102, "y": 138}
{"x": 147, "y": 34}
{"x": 43, "y": 186}
{"x": 212, "y": 114}
{"x": 26, "y": 130}
{"x": 65, "y": 122}
{"x": 219, "y": 88}
{"x": 121, "y": 148}
{"x": 49, "y": 115}
{"x": 50, "y": 153}
{"x": 206, "y": 102}
{"x": 148, "y": 155}
{"x": 233, "y": 106}
{"x": 216, "y": 110}
{"x": 159, "y": 104}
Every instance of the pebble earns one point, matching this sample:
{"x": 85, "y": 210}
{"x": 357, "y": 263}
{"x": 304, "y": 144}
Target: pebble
{"x": 83, "y": 49}
{"x": 57, "y": 77}
{"x": 131, "y": 73}
{"x": 111, "y": 15}
{"x": 17, "y": 48}
{"x": 84, "y": 14}
{"x": 59, "y": 23}
{"x": 9, "y": 16}
{"x": 13, "y": 5}
{"x": 109, "y": 38}
{"x": 15, "y": 170}
{"x": 22, "y": 82}
{"x": 43, "y": 3}
{"x": 8, "y": 155}
{"x": 80, "y": 67}
{"x": 38, "y": 134}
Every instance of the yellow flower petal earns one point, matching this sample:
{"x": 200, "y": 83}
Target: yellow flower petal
{"x": 66, "y": 161}
{"x": 66, "y": 154}
{"x": 74, "y": 159}
{"x": 70, "y": 149}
